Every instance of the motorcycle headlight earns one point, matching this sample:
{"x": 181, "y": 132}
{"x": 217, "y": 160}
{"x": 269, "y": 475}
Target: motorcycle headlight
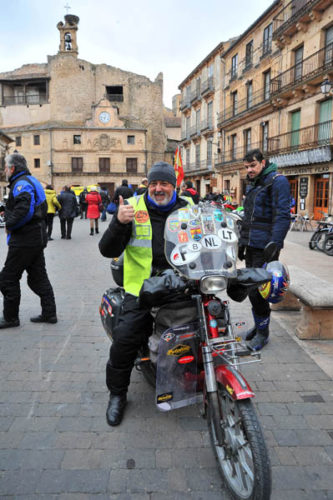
{"x": 212, "y": 284}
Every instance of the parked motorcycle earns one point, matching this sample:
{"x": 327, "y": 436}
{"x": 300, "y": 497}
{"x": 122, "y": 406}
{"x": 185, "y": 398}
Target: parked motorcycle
{"x": 194, "y": 353}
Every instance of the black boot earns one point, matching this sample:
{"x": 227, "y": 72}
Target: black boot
{"x": 9, "y": 324}
{"x": 91, "y": 232}
{"x": 260, "y": 339}
{"x": 115, "y": 409}
{"x": 44, "y": 319}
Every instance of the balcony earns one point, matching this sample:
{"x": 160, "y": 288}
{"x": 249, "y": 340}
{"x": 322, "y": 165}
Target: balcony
{"x": 185, "y": 104}
{"x": 308, "y": 72}
{"x": 207, "y": 126}
{"x": 207, "y": 86}
{"x": 186, "y": 136}
{"x": 296, "y": 15}
{"x": 200, "y": 167}
{"x": 28, "y": 99}
{"x": 234, "y": 155}
{"x": 314, "y": 136}
{"x": 245, "y": 105}
{"x": 195, "y": 132}
{"x": 195, "y": 96}
{"x": 115, "y": 97}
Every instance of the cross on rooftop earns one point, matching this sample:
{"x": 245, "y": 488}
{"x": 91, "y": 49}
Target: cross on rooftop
{"x": 67, "y": 7}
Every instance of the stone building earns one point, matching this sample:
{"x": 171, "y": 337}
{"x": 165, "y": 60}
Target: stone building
{"x": 78, "y": 123}
{"x": 5, "y": 140}
{"x": 272, "y": 97}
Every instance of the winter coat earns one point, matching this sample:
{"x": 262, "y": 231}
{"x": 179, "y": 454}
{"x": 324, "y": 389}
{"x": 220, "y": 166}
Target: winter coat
{"x": 52, "y": 202}
{"x": 123, "y": 191}
{"x": 67, "y": 200}
{"x": 105, "y": 197}
{"x": 266, "y": 209}
{"x": 25, "y": 212}
{"x": 93, "y": 199}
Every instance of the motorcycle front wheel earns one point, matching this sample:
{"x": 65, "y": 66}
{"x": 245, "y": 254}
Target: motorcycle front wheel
{"x": 328, "y": 245}
{"x": 242, "y": 458}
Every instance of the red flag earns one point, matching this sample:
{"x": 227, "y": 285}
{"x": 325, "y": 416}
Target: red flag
{"x": 178, "y": 166}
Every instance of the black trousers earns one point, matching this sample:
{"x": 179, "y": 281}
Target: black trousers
{"x": 32, "y": 261}
{"x": 134, "y": 328}
{"x": 254, "y": 258}
{"x": 49, "y": 224}
{"x": 66, "y": 227}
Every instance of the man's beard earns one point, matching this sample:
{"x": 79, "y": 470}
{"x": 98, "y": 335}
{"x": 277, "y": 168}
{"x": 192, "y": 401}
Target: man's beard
{"x": 163, "y": 202}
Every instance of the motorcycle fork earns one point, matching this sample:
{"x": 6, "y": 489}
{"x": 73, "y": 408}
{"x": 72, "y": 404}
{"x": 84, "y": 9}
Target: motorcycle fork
{"x": 210, "y": 378}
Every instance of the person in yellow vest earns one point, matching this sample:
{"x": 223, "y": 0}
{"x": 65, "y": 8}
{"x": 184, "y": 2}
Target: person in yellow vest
{"x": 137, "y": 229}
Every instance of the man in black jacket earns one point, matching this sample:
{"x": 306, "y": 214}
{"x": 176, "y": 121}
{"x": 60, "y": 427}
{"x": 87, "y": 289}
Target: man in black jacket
{"x": 188, "y": 190}
{"x": 25, "y": 217}
{"x": 69, "y": 209}
{"x": 123, "y": 190}
{"x": 138, "y": 229}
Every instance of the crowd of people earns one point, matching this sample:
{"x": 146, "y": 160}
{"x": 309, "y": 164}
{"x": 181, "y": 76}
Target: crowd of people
{"x": 137, "y": 230}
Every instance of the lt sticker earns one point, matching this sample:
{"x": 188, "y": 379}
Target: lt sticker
{"x": 227, "y": 235}
{"x": 141, "y": 216}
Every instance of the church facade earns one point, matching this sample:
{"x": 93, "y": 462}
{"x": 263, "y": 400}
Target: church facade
{"x": 80, "y": 124}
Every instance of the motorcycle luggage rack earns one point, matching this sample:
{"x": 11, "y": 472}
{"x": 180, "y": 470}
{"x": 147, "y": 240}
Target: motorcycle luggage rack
{"x": 233, "y": 351}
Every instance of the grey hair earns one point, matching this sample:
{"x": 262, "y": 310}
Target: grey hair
{"x": 17, "y": 161}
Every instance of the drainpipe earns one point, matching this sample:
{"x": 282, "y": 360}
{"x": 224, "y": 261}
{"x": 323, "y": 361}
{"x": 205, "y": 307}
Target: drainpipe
{"x": 51, "y": 156}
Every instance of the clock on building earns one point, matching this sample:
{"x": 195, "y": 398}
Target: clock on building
{"x": 104, "y": 117}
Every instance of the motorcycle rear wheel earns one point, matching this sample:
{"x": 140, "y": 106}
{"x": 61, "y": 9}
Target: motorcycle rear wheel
{"x": 328, "y": 245}
{"x": 243, "y": 458}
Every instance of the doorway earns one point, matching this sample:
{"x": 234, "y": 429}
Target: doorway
{"x": 320, "y": 208}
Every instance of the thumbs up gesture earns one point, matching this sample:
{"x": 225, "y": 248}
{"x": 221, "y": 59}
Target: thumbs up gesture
{"x": 125, "y": 212}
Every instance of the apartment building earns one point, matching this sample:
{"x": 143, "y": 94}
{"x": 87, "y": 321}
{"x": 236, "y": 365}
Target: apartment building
{"x": 78, "y": 123}
{"x": 275, "y": 93}
{"x": 247, "y": 115}
{"x": 301, "y": 94}
{"x": 199, "y": 106}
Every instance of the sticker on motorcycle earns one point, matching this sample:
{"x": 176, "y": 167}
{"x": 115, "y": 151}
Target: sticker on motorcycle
{"x": 211, "y": 242}
{"x": 168, "y": 336}
{"x": 227, "y": 235}
{"x": 218, "y": 215}
{"x": 173, "y": 225}
{"x": 178, "y": 350}
{"x": 182, "y": 237}
{"x": 196, "y": 233}
{"x": 231, "y": 252}
{"x": 182, "y": 254}
{"x": 161, "y": 398}
{"x": 230, "y": 223}
{"x": 183, "y": 214}
{"x": 194, "y": 222}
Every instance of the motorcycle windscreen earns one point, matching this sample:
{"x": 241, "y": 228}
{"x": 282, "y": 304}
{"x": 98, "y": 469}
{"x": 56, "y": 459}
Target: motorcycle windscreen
{"x": 177, "y": 381}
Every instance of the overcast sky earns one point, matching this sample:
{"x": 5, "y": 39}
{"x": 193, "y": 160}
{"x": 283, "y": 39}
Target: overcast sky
{"x": 145, "y": 37}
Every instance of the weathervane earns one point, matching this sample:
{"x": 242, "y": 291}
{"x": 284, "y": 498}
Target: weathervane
{"x": 67, "y": 7}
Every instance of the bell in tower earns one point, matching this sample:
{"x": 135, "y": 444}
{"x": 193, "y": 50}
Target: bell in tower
{"x": 68, "y": 43}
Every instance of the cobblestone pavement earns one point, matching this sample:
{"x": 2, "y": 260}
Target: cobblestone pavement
{"x": 54, "y": 440}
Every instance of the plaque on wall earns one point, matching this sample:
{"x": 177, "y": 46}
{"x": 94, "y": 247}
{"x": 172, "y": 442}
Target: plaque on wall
{"x": 303, "y": 187}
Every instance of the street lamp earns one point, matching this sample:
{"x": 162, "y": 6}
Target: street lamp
{"x": 326, "y": 86}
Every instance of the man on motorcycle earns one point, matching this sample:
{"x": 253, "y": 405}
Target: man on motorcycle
{"x": 264, "y": 228}
{"x": 138, "y": 230}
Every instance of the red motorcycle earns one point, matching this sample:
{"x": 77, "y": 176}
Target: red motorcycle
{"x": 194, "y": 354}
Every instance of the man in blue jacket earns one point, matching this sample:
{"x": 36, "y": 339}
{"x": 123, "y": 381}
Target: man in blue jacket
{"x": 25, "y": 218}
{"x": 264, "y": 228}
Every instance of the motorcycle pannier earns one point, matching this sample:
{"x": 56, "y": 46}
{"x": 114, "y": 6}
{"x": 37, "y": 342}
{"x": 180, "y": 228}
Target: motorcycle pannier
{"x": 110, "y": 309}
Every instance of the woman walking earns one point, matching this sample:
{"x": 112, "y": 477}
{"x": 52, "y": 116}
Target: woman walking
{"x": 94, "y": 201}
{"x": 52, "y": 205}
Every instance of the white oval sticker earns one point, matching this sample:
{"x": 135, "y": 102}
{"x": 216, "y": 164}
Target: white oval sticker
{"x": 227, "y": 235}
{"x": 211, "y": 242}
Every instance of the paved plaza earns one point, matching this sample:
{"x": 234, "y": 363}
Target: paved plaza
{"x": 55, "y": 443}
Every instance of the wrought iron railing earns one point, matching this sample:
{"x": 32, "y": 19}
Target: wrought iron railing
{"x": 235, "y": 154}
{"x": 24, "y": 99}
{"x": 207, "y": 124}
{"x": 248, "y": 62}
{"x": 289, "y": 15}
{"x": 207, "y": 85}
{"x": 260, "y": 97}
{"x": 320, "y": 134}
{"x": 311, "y": 66}
{"x": 185, "y": 103}
{"x": 200, "y": 166}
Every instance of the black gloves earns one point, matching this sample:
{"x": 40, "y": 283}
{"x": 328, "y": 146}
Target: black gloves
{"x": 241, "y": 252}
{"x": 270, "y": 252}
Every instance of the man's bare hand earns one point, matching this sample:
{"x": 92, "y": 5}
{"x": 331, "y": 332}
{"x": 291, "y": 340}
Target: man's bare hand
{"x": 125, "y": 212}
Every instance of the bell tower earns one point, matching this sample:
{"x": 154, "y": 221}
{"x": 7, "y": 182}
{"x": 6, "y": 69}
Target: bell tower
{"x": 68, "y": 43}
